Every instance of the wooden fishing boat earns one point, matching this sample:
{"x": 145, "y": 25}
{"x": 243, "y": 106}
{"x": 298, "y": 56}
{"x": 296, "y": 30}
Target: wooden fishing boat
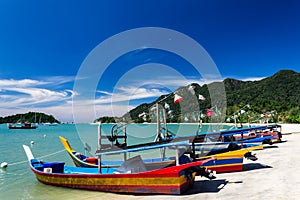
{"x": 274, "y": 131}
{"x": 229, "y": 160}
{"x": 229, "y": 157}
{"x": 81, "y": 160}
{"x": 267, "y": 134}
{"x": 131, "y": 177}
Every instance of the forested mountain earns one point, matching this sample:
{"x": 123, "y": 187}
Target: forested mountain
{"x": 279, "y": 92}
{"x": 277, "y": 96}
{"x": 33, "y": 117}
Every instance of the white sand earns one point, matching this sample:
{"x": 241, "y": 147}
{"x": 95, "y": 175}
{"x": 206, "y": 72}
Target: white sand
{"x": 275, "y": 175}
{"x": 290, "y": 128}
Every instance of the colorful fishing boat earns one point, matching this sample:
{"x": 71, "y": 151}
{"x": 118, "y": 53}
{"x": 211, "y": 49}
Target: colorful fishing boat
{"x": 267, "y": 134}
{"x": 131, "y": 177}
{"x": 274, "y": 131}
{"x": 229, "y": 156}
{"x": 81, "y": 160}
{"x": 230, "y": 159}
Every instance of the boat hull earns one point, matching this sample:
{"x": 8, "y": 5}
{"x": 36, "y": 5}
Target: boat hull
{"x": 231, "y": 161}
{"x": 156, "y": 183}
{"x": 225, "y": 165}
{"x": 168, "y": 180}
{"x": 22, "y": 127}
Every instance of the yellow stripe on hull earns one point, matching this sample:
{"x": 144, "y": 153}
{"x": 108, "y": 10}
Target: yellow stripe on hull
{"x": 234, "y": 154}
{"x": 169, "y": 181}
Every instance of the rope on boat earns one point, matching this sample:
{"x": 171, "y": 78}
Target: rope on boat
{"x": 51, "y": 154}
{"x": 17, "y": 163}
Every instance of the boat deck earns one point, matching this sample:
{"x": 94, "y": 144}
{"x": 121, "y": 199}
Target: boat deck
{"x": 83, "y": 170}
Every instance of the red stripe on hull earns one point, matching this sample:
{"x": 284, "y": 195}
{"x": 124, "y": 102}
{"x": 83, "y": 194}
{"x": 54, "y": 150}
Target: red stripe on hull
{"x": 224, "y": 169}
{"x": 140, "y": 175}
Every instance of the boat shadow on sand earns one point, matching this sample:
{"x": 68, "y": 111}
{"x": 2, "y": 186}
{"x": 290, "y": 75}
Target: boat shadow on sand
{"x": 207, "y": 186}
{"x": 254, "y": 166}
{"x": 271, "y": 147}
{"x": 201, "y": 186}
{"x": 214, "y": 186}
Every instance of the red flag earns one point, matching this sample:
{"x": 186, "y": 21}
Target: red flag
{"x": 209, "y": 113}
{"x": 177, "y": 98}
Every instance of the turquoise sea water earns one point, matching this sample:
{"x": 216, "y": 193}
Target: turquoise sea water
{"x": 18, "y": 182}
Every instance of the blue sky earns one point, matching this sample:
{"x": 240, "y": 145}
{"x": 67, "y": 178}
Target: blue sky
{"x": 44, "y": 43}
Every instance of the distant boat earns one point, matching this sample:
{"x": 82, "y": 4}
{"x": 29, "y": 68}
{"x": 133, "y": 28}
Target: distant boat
{"x": 22, "y": 126}
{"x": 50, "y": 124}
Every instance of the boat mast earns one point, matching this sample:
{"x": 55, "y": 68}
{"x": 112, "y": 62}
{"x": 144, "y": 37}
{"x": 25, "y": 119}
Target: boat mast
{"x": 99, "y": 148}
{"x": 158, "y": 122}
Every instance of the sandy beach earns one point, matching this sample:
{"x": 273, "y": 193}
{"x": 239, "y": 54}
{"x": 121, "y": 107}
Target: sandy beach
{"x": 275, "y": 175}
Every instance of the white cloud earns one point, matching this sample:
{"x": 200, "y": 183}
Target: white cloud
{"x": 252, "y": 79}
{"x": 19, "y": 96}
{"x": 129, "y": 93}
{"x": 104, "y": 92}
{"x": 29, "y": 93}
{"x": 58, "y": 80}
{"x": 138, "y": 90}
{"x": 112, "y": 103}
{"x": 172, "y": 82}
{"x": 133, "y": 93}
{"x": 33, "y": 96}
{"x": 7, "y": 83}
{"x": 247, "y": 78}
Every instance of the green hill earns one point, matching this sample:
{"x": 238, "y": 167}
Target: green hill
{"x": 33, "y": 117}
{"x": 277, "y": 95}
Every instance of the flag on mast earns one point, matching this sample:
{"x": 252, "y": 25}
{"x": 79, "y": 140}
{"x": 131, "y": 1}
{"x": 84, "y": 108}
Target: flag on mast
{"x": 167, "y": 106}
{"x": 177, "y": 98}
{"x": 201, "y": 97}
{"x": 209, "y": 113}
{"x": 192, "y": 89}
